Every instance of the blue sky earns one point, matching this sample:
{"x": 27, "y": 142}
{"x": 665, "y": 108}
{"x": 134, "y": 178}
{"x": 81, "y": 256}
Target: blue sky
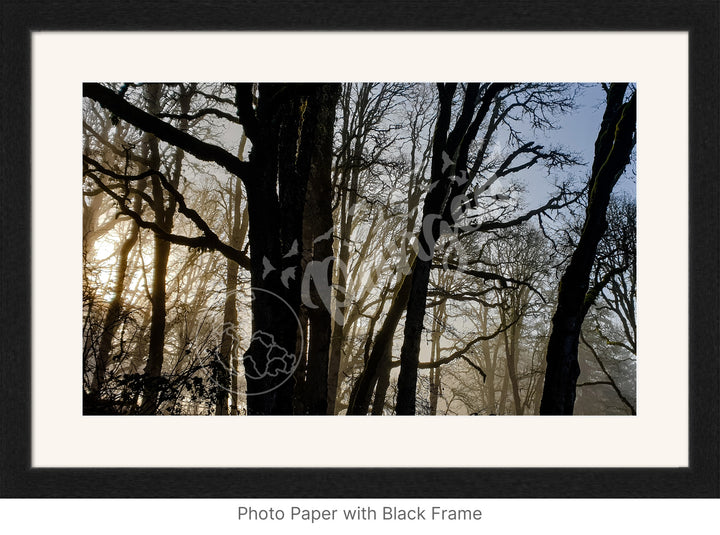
{"x": 576, "y": 132}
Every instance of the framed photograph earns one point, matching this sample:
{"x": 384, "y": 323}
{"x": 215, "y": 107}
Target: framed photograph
{"x": 311, "y": 252}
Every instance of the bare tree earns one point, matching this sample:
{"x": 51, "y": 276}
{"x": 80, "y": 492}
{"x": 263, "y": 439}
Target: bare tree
{"x": 613, "y": 148}
{"x": 281, "y": 124}
{"x": 303, "y": 249}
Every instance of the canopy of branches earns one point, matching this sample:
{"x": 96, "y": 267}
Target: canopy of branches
{"x": 364, "y": 248}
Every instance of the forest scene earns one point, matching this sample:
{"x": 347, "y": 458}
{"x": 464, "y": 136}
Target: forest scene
{"x": 359, "y": 249}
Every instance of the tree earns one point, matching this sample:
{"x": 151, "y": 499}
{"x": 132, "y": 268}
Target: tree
{"x": 452, "y": 147}
{"x": 113, "y": 315}
{"x": 229, "y": 341}
{"x": 320, "y": 250}
{"x": 363, "y": 139}
{"x": 612, "y": 321}
{"x": 447, "y": 206}
{"x": 613, "y": 149}
{"x": 282, "y": 128}
{"x": 616, "y": 274}
{"x": 164, "y": 212}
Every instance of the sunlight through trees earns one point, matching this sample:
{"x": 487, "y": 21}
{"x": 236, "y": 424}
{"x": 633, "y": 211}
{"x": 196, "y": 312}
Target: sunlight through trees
{"x": 359, "y": 248}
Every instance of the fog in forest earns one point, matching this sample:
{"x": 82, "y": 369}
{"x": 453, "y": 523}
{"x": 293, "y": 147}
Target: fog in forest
{"x": 359, "y": 248}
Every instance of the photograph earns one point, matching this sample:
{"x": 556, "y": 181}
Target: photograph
{"x": 359, "y": 248}
{"x": 292, "y": 220}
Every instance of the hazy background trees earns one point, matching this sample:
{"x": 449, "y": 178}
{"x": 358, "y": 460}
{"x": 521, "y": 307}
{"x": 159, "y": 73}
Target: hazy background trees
{"x": 373, "y": 248}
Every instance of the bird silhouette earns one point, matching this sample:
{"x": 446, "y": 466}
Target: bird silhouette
{"x": 286, "y": 275}
{"x": 293, "y": 250}
{"x": 447, "y": 162}
{"x": 267, "y": 267}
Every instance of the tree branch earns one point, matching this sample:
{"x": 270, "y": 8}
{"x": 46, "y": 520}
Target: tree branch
{"x": 595, "y": 383}
{"x": 486, "y": 275}
{"x": 165, "y": 131}
{"x": 610, "y": 380}
{"x": 461, "y": 352}
{"x": 553, "y": 204}
{"x": 116, "y": 150}
{"x": 593, "y": 292}
{"x": 200, "y": 113}
{"x": 209, "y": 240}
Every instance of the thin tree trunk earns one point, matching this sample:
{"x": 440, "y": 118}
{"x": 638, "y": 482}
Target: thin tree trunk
{"x": 114, "y": 311}
{"x": 229, "y": 340}
{"x": 348, "y": 199}
{"x": 153, "y": 366}
{"x": 301, "y": 349}
{"x": 435, "y": 355}
{"x": 164, "y": 218}
{"x": 503, "y": 395}
{"x": 234, "y": 355}
{"x": 383, "y": 379}
{"x": 338, "y": 325}
{"x": 510, "y": 349}
{"x": 510, "y": 339}
{"x": 381, "y": 351}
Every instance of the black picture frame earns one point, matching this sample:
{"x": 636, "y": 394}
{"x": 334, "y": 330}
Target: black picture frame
{"x": 700, "y": 18}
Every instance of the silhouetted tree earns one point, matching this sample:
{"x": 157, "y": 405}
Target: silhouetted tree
{"x": 613, "y": 148}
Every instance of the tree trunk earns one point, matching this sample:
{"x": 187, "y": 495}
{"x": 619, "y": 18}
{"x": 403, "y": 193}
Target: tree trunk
{"x": 503, "y": 396}
{"x": 281, "y": 158}
{"x": 164, "y": 217}
{"x": 405, "y": 245}
{"x": 318, "y": 223}
{"x": 381, "y": 351}
{"x": 410, "y": 353}
{"x": 114, "y": 311}
{"x": 511, "y": 356}
{"x": 511, "y": 338}
{"x": 348, "y": 199}
{"x": 153, "y": 366}
{"x": 337, "y": 337}
{"x": 229, "y": 340}
{"x": 381, "y": 388}
{"x": 454, "y": 146}
{"x": 612, "y": 153}
{"x": 435, "y": 355}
